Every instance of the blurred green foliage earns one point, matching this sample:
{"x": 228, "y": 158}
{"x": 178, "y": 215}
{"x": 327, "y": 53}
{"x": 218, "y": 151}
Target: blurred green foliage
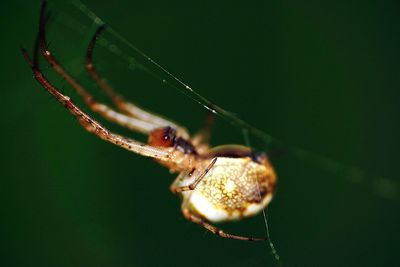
{"x": 321, "y": 75}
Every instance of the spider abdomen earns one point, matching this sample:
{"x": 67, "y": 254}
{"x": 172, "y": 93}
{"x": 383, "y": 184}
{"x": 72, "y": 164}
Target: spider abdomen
{"x": 234, "y": 188}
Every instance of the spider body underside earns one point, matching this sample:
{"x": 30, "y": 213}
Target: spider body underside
{"x": 218, "y": 184}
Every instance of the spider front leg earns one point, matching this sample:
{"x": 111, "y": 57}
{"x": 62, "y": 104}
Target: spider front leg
{"x": 96, "y": 128}
{"x": 177, "y": 189}
{"x": 123, "y": 105}
{"x": 104, "y": 110}
{"x": 215, "y": 230}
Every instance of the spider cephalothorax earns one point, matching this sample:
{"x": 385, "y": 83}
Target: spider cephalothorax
{"x": 166, "y": 137}
{"x": 224, "y": 183}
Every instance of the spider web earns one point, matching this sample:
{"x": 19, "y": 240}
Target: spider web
{"x": 136, "y": 60}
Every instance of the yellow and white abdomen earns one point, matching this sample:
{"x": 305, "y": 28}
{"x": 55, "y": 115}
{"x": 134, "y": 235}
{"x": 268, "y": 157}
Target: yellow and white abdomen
{"x": 233, "y": 188}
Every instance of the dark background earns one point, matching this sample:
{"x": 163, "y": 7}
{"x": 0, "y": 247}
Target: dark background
{"x": 320, "y": 75}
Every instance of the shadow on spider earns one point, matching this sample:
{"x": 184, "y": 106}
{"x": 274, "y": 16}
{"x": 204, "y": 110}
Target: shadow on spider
{"x": 223, "y": 183}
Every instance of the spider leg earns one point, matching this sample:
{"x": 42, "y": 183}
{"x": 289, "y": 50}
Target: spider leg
{"x": 174, "y": 189}
{"x": 123, "y": 105}
{"x": 193, "y": 218}
{"x": 107, "y": 112}
{"x": 93, "y": 126}
{"x": 203, "y": 136}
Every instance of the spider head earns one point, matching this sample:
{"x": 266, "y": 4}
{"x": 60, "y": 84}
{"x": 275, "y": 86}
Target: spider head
{"x": 164, "y": 137}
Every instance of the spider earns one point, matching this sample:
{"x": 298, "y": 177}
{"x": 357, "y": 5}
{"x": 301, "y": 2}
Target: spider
{"x": 219, "y": 184}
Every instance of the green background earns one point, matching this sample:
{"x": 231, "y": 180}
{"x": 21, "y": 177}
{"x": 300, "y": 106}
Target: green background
{"x": 320, "y": 75}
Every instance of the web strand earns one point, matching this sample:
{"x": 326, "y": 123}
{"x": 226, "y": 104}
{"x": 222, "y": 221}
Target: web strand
{"x": 381, "y": 186}
{"x": 135, "y": 59}
{"x": 264, "y": 211}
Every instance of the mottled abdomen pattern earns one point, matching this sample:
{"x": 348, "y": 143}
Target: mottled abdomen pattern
{"x": 234, "y": 188}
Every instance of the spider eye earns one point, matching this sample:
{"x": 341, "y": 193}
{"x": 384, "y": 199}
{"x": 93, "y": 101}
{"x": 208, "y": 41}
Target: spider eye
{"x": 164, "y": 137}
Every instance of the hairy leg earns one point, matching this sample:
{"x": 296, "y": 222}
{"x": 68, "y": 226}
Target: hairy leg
{"x": 123, "y": 105}
{"x": 215, "y": 230}
{"x": 104, "y": 110}
{"x": 93, "y": 126}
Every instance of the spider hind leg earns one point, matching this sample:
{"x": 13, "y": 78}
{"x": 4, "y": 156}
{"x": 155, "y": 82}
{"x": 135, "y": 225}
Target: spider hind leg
{"x": 215, "y": 230}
